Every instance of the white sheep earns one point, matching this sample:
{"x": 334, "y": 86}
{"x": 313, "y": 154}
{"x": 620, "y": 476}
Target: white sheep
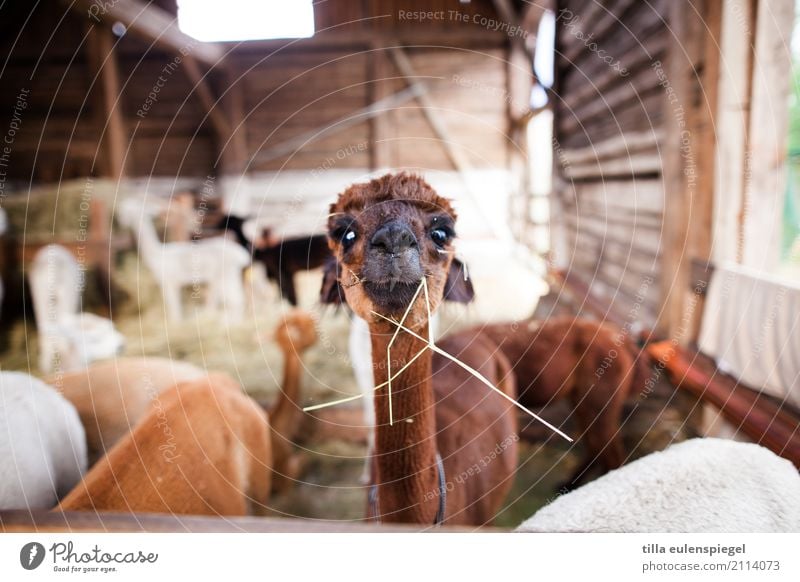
{"x": 68, "y": 338}
{"x": 42, "y": 444}
{"x": 701, "y": 485}
{"x": 215, "y": 262}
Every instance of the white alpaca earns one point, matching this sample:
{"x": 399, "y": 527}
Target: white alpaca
{"x": 701, "y": 485}
{"x": 42, "y": 444}
{"x": 68, "y": 338}
{"x": 215, "y": 262}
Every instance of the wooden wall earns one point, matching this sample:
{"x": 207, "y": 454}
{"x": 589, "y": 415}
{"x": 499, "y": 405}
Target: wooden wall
{"x": 634, "y": 149}
{"x": 280, "y": 90}
{"x": 609, "y": 129}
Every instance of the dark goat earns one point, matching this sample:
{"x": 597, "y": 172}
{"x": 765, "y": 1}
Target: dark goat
{"x": 283, "y": 259}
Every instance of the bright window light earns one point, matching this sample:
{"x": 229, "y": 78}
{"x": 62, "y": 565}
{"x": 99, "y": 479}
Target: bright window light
{"x": 217, "y": 20}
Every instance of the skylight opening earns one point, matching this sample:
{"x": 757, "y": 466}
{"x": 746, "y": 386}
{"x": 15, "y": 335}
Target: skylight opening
{"x": 231, "y": 20}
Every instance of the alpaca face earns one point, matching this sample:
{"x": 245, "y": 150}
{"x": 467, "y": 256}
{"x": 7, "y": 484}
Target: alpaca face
{"x": 386, "y": 236}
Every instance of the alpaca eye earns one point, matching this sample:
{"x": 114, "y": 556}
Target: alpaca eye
{"x": 439, "y": 236}
{"x": 349, "y": 237}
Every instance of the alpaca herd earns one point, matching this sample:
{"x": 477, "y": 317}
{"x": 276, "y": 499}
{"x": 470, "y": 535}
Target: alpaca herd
{"x": 157, "y": 435}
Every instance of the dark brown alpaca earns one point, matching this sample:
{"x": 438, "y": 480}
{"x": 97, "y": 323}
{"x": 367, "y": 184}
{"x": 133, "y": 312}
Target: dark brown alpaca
{"x": 281, "y": 258}
{"x": 594, "y": 366}
{"x": 386, "y": 235}
{"x": 294, "y": 335}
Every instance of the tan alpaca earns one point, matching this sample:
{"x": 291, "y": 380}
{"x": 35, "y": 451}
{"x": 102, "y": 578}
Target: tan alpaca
{"x": 113, "y": 395}
{"x": 294, "y": 334}
{"x": 204, "y": 448}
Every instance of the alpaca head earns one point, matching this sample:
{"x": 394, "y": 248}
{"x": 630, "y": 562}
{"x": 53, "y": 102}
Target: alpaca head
{"x": 385, "y": 236}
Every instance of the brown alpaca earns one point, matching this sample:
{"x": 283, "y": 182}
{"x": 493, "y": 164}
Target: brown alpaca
{"x": 386, "y": 235}
{"x": 204, "y": 448}
{"x": 294, "y": 334}
{"x": 593, "y": 365}
{"x": 113, "y": 395}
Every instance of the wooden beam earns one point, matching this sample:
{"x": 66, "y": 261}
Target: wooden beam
{"x": 731, "y": 125}
{"x": 326, "y": 41}
{"x": 105, "y": 521}
{"x": 678, "y": 74}
{"x": 354, "y": 118}
{"x": 770, "y": 424}
{"x": 403, "y": 63}
{"x": 235, "y": 151}
{"x": 150, "y": 23}
{"x": 768, "y": 135}
{"x": 380, "y": 147}
{"x": 206, "y": 97}
{"x": 103, "y": 61}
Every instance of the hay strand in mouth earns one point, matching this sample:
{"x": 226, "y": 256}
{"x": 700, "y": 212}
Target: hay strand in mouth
{"x": 432, "y": 346}
{"x": 375, "y": 389}
{"x": 394, "y": 337}
{"x": 475, "y": 373}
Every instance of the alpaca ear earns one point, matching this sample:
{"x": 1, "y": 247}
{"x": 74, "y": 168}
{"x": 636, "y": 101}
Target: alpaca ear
{"x": 458, "y": 286}
{"x": 331, "y": 292}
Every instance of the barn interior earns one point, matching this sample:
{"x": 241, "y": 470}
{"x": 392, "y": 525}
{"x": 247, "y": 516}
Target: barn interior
{"x": 625, "y": 162}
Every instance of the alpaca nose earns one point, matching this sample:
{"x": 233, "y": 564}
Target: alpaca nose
{"x": 393, "y": 238}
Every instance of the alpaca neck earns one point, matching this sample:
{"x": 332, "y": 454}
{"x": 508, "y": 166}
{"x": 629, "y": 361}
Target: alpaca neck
{"x": 284, "y": 416}
{"x": 405, "y": 452}
{"x": 149, "y": 245}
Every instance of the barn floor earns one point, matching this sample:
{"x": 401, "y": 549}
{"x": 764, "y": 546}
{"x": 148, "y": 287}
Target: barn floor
{"x": 332, "y": 441}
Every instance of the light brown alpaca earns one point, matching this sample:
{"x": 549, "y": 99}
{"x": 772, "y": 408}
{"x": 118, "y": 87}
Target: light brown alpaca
{"x": 204, "y": 448}
{"x": 113, "y": 395}
{"x": 592, "y": 365}
{"x": 386, "y": 235}
{"x": 294, "y": 334}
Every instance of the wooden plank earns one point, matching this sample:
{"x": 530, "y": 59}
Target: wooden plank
{"x": 76, "y": 521}
{"x": 472, "y": 37}
{"x": 640, "y": 196}
{"x": 629, "y": 90}
{"x": 677, "y": 73}
{"x": 234, "y": 150}
{"x": 339, "y": 125}
{"x": 586, "y": 21}
{"x": 731, "y": 125}
{"x": 616, "y": 147}
{"x": 641, "y": 240}
{"x": 380, "y": 129}
{"x": 769, "y": 128}
{"x": 588, "y": 82}
{"x": 201, "y": 89}
{"x": 152, "y": 24}
{"x": 636, "y": 164}
{"x": 401, "y": 60}
{"x": 767, "y": 422}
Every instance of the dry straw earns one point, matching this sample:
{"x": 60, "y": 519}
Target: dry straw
{"x": 423, "y": 286}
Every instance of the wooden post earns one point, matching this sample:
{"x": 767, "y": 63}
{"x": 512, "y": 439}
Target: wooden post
{"x": 731, "y": 124}
{"x": 769, "y": 130}
{"x": 206, "y": 97}
{"x": 235, "y": 153}
{"x": 103, "y": 61}
{"x": 689, "y": 157}
{"x": 380, "y": 150}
